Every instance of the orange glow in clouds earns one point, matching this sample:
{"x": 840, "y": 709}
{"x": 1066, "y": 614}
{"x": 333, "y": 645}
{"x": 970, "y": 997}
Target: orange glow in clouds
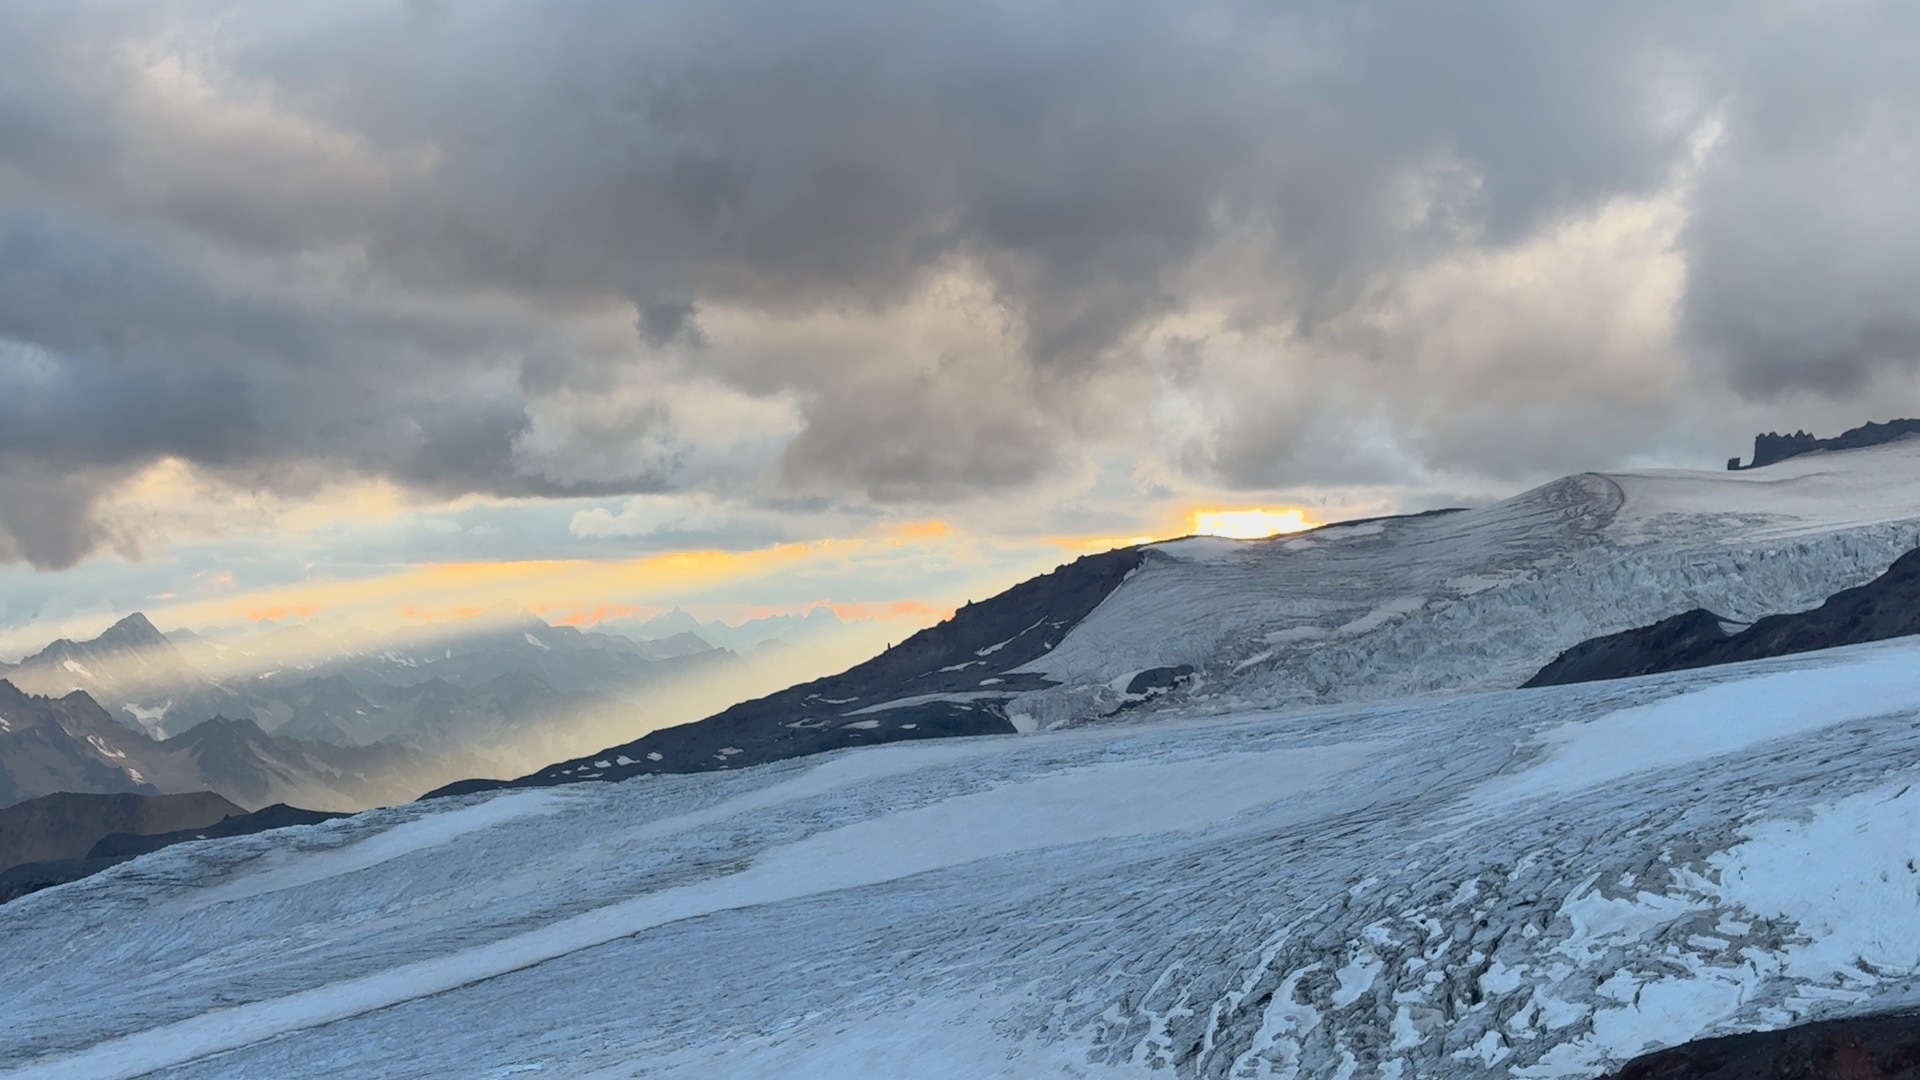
{"x": 1252, "y": 524}
{"x": 415, "y": 613}
{"x": 583, "y": 615}
{"x": 894, "y": 609}
{"x": 1100, "y": 543}
{"x": 931, "y": 529}
{"x": 276, "y": 612}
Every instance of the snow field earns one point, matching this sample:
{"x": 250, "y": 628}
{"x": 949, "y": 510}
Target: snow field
{"x": 1702, "y": 724}
{"x": 1528, "y": 883}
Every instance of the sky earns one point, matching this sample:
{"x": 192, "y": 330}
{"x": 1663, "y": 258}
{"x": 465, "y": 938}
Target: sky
{"x": 390, "y": 310}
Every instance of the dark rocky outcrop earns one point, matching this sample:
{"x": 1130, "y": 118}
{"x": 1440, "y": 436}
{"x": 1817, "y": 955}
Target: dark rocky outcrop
{"x": 1886, "y": 607}
{"x": 65, "y": 832}
{"x": 1159, "y": 680}
{"x": 1867, "y": 1048}
{"x": 68, "y": 825}
{"x": 1772, "y": 447}
{"x": 18, "y": 881}
{"x": 278, "y": 816}
{"x": 947, "y": 680}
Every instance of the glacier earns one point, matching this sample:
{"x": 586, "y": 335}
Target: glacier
{"x": 1478, "y": 599}
{"x": 1384, "y": 609}
{"x": 1520, "y": 883}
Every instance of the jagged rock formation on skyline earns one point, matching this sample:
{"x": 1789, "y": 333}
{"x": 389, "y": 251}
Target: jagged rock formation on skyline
{"x": 1772, "y": 447}
{"x": 1886, "y": 607}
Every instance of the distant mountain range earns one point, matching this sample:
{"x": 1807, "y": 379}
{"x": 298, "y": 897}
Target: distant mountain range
{"x": 504, "y": 683}
{"x": 134, "y": 672}
{"x": 506, "y": 639}
{"x": 72, "y": 744}
{"x": 340, "y": 719}
{"x": 679, "y": 625}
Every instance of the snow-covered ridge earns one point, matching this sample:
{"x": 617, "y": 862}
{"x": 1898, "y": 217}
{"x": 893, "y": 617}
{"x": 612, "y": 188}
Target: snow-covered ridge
{"x": 1259, "y": 895}
{"x": 1482, "y": 598}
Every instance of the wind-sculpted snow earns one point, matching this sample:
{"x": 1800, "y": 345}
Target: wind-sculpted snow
{"x": 1534, "y": 883}
{"x": 1480, "y": 599}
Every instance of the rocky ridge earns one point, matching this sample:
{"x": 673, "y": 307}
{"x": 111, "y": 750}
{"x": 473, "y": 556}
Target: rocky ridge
{"x": 1886, "y": 607}
{"x": 1772, "y": 447}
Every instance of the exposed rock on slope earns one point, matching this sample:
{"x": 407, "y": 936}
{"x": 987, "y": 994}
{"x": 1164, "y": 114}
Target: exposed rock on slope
{"x": 1883, "y": 1047}
{"x": 1886, "y": 607}
{"x": 950, "y": 679}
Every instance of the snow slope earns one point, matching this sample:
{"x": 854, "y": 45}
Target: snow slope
{"x": 1482, "y": 598}
{"x": 1271, "y": 894}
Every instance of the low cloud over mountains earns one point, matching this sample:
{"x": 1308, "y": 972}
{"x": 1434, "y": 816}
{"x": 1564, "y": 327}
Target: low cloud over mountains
{"x": 884, "y": 258}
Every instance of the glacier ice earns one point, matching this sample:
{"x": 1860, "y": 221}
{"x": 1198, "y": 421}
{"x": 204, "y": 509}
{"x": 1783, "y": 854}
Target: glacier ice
{"x": 1483, "y": 598}
{"x": 1530, "y": 883}
{"x": 1302, "y": 862}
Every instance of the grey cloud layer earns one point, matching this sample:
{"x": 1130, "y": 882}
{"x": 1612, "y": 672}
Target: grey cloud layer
{"x": 287, "y": 244}
{"x": 1805, "y": 246}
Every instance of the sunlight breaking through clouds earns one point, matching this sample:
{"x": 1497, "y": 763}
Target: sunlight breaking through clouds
{"x": 1252, "y": 524}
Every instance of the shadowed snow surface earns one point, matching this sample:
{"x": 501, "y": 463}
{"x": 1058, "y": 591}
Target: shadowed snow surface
{"x": 1529, "y": 883}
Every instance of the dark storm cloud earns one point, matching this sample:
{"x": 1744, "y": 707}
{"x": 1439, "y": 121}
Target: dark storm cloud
{"x": 112, "y": 357}
{"x": 1805, "y": 244}
{"x": 175, "y": 180}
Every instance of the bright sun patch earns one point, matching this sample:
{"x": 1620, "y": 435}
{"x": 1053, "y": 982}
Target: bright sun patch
{"x": 1250, "y": 524}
